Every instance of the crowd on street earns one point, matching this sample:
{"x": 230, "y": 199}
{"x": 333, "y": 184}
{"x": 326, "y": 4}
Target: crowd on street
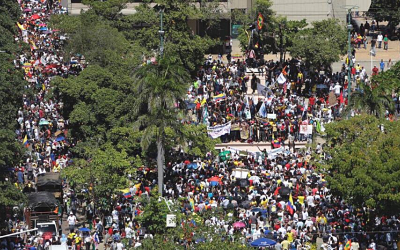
{"x": 278, "y": 195}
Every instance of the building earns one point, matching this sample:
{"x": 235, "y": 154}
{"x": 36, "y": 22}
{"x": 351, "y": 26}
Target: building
{"x": 313, "y": 10}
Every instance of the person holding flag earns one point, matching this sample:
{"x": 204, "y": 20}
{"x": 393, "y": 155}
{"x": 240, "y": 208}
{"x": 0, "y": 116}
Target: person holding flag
{"x": 290, "y": 205}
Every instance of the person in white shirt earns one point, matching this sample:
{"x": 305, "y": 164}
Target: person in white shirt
{"x": 71, "y": 222}
{"x": 379, "y": 40}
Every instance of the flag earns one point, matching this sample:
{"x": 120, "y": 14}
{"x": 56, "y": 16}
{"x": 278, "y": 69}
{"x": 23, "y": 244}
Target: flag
{"x": 348, "y": 245}
{"x": 276, "y": 143}
{"x": 33, "y": 45}
{"x": 318, "y": 128}
{"x": 262, "y": 90}
{"x": 284, "y": 71}
{"x": 290, "y": 204}
{"x": 281, "y": 79}
{"x": 25, "y": 141}
{"x": 277, "y": 191}
{"x": 127, "y": 195}
{"x": 20, "y": 26}
{"x": 341, "y": 97}
{"x": 260, "y": 21}
{"x": 263, "y": 111}
{"x": 219, "y": 97}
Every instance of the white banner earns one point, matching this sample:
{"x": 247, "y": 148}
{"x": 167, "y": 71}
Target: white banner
{"x": 306, "y": 129}
{"x": 219, "y": 130}
{"x": 271, "y": 116}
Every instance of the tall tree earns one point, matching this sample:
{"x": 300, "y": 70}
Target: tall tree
{"x": 371, "y": 101}
{"x": 321, "y": 45}
{"x": 159, "y": 88}
{"x": 11, "y": 88}
{"x": 365, "y": 159}
{"x": 142, "y": 29}
{"x": 248, "y": 19}
{"x": 385, "y": 10}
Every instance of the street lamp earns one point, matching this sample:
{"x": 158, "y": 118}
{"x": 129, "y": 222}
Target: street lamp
{"x": 161, "y": 32}
{"x": 349, "y": 8}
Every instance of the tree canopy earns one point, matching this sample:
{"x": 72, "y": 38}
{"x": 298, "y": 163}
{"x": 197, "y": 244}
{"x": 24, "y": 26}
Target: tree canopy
{"x": 320, "y": 45}
{"x": 365, "y": 160}
{"x": 11, "y": 88}
{"x": 385, "y": 10}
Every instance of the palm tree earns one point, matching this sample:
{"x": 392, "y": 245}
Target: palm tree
{"x": 370, "y": 101}
{"x": 159, "y": 88}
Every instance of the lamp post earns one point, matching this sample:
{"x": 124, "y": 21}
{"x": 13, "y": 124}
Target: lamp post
{"x": 349, "y": 8}
{"x": 161, "y": 32}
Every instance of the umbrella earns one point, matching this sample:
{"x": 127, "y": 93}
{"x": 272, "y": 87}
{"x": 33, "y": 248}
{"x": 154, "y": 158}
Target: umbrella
{"x": 42, "y": 24}
{"x": 215, "y": 179}
{"x": 239, "y": 224}
{"x": 263, "y": 242}
{"x": 60, "y": 138}
{"x": 192, "y": 166}
{"x": 35, "y": 16}
{"x": 27, "y": 10}
{"x": 84, "y": 229}
{"x": 214, "y": 183}
{"x": 43, "y": 123}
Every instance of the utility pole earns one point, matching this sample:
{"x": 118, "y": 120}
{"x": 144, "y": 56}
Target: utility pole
{"x": 349, "y": 28}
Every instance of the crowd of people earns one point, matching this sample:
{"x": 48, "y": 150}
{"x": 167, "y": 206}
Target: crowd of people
{"x": 42, "y": 128}
{"x": 279, "y": 194}
{"x": 290, "y": 96}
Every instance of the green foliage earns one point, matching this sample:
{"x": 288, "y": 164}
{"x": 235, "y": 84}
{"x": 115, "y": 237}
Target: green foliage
{"x": 106, "y": 168}
{"x": 179, "y": 38}
{"x": 10, "y": 195}
{"x": 11, "y": 87}
{"x": 385, "y": 10}
{"x": 320, "y": 45}
{"x": 364, "y": 168}
{"x": 388, "y": 81}
{"x": 246, "y": 19}
{"x": 201, "y": 142}
{"x": 287, "y": 31}
{"x": 371, "y": 101}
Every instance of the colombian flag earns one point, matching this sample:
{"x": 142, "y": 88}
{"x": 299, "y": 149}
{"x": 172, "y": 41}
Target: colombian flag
{"x": 260, "y": 21}
{"x": 348, "y": 245}
{"x": 290, "y": 204}
{"x": 219, "y": 97}
{"x": 25, "y": 141}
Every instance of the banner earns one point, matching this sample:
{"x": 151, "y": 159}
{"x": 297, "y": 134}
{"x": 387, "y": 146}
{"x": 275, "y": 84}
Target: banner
{"x": 271, "y": 116}
{"x": 306, "y": 129}
{"x": 219, "y": 130}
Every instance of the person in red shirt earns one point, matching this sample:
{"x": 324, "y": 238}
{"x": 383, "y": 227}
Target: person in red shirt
{"x": 311, "y": 101}
{"x": 375, "y": 71}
